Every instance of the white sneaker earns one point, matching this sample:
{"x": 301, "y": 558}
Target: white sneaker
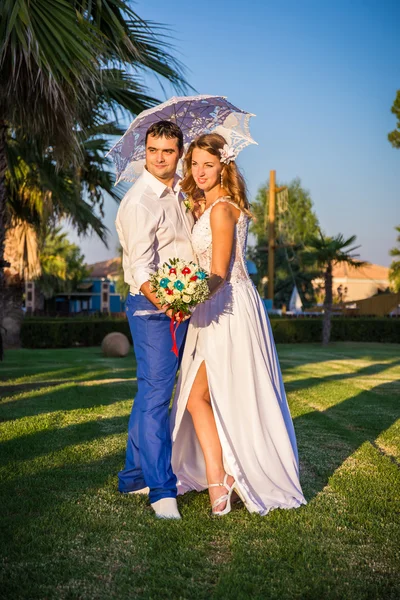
{"x": 166, "y": 508}
{"x": 144, "y": 490}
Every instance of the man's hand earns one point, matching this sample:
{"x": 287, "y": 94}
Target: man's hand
{"x": 151, "y": 296}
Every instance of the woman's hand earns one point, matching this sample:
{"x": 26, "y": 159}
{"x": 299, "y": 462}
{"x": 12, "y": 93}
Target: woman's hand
{"x": 177, "y": 316}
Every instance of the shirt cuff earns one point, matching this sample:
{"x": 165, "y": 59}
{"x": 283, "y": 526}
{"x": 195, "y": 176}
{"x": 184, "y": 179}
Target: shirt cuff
{"x": 141, "y": 275}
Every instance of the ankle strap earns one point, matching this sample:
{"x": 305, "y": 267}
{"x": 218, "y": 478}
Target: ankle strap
{"x": 223, "y": 484}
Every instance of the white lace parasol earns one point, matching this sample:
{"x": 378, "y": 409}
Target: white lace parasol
{"x": 195, "y": 115}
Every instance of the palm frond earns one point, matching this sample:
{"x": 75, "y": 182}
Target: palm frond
{"x": 22, "y": 249}
{"x": 325, "y": 250}
{"x": 120, "y": 91}
{"x": 133, "y": 41}
{"x": 39, "y": 192}
{"x": 48, "y": 60}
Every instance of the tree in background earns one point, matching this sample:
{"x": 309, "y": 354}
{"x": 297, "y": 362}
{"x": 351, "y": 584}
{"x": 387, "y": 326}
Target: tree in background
{"x": 121, "y": 286}
{"x": 49, "y": 259}
{"x": 326, "y": 252}
{"x": 65, "y": 66}
{"x": 54, "y": 264}
{"x": 293, "y": 226}
{"x": 394, "y": 136}
{"x": 62, "y": 264}
{"x": 394, "y": 272}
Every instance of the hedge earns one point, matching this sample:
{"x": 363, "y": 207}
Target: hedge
{"x": 66, "y": 333}
{"x": 366, "y": 330}
{"x": 343, "y": 330}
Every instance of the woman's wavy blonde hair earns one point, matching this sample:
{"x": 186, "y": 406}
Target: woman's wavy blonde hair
{"x": 233, "y": 180}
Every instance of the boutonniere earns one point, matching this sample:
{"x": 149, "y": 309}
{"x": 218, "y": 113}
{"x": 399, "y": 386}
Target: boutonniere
{"x": 188, "y": 204}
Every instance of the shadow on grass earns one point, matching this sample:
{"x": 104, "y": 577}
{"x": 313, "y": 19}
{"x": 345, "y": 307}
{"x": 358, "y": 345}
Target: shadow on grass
{"x": 51, "y": 441}
{"x": 29, "y": 498}
{"x": 78, "y": 395}
{"x": 374, "y": 369}
{"x": 327, "y": 438}
{"x": 297, "y": 355}
{"x": 59, "y": 376}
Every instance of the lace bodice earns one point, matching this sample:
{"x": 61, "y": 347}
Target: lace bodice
{"x": 202, "y": 245}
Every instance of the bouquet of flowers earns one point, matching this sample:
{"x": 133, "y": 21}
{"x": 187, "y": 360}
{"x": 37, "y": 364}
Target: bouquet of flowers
{"x": 180, "y": 285}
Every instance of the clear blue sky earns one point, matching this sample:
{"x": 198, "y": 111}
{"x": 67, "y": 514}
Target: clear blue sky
{"x": 321, "y": 77}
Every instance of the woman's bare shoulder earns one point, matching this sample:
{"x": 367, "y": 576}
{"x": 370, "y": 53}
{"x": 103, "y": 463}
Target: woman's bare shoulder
{"x": 224, "y": 211}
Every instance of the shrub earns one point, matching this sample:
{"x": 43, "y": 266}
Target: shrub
{"x": 65, "y": 333}
{"x": 366, "y": 330}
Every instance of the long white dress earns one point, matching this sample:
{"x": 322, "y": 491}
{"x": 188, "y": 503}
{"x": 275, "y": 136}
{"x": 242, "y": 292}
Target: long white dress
{"x": 232, "y": 334}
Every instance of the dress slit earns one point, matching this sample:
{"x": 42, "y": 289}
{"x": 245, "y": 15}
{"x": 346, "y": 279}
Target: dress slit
{"x": 182, "y": 422}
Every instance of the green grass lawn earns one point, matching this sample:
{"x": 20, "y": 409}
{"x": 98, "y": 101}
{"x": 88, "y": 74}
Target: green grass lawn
{"x": 67, "y": 533}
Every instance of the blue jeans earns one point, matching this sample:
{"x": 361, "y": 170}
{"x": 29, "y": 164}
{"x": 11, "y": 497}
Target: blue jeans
{"x": 148, "y": 452}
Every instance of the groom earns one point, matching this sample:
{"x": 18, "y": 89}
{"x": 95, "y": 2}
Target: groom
{"x": 153, "y": 226}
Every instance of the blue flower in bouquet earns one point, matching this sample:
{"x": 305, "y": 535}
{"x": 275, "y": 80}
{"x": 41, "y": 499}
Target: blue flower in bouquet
{"x": 179, "y": 285}
{"x": 201, "y": 275}
{"x": 164, "y": 282}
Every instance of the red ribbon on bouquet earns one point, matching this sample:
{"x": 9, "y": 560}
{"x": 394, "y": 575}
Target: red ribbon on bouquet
{"x": 173, "y": 327}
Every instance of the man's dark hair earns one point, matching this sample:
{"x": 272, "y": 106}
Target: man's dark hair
{"x": 166, "y": 129}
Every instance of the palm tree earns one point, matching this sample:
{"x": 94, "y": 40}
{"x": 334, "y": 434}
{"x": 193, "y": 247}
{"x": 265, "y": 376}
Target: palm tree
{"x": 63, "y": 65}
{"x": 326, "y": 252}
{"x": 39, "y": 197}
{"x": 40, "y": 87}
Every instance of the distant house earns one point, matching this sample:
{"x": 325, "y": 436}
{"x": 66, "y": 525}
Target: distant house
{"x": 356, "y": 284}
{"x": 97, "y": 293}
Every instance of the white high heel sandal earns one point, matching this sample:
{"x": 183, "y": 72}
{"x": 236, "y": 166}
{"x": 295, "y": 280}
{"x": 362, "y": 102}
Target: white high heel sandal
{"x": 225, "y": 498}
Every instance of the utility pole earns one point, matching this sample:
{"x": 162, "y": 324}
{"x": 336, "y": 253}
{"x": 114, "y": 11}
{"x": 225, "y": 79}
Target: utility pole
{"x": 271, "y": 233}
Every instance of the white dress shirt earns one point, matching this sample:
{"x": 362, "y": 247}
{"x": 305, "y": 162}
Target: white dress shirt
{"x": 153, "y": 226}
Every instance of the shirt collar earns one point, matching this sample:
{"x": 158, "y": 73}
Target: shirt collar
{"x": 158, "y": 186}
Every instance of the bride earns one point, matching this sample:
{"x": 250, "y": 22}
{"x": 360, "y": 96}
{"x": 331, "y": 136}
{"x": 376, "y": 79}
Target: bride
{"x": 231, "y": 426}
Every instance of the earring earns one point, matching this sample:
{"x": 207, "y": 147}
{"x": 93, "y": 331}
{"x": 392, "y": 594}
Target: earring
{"x": 222, "y": 180}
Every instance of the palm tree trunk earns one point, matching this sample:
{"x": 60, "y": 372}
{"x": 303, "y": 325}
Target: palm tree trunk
{"x": 3, "y": 199}
{"x": 326, "y": 325}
